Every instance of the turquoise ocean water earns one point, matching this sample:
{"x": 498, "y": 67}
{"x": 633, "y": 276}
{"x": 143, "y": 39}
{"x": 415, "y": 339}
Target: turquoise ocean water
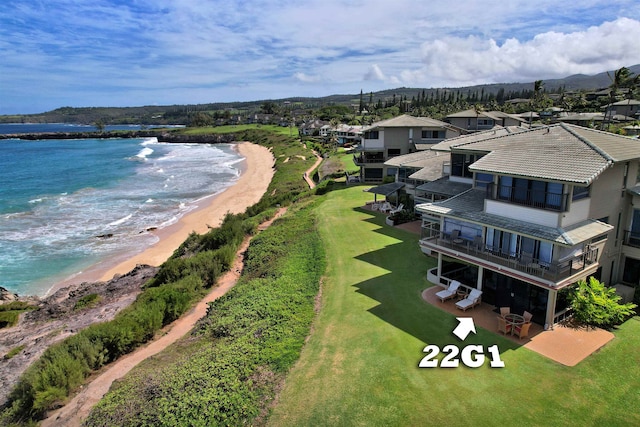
{"x": 58, "y": 196}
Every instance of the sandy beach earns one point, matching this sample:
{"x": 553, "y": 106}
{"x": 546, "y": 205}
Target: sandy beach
{"x": 257, "y": 172}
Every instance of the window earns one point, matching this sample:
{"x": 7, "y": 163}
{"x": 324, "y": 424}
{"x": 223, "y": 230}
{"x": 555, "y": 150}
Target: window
{"x": 581, "y": 192}
{"x": 540, "y": 194}
{"x": 391, "y": 152}
{"x": 433, "y": 134}
{"x": 483, "y": 180}
{"x": 460, "y": 164}
{"x": 392, "y": 171}
{"x": 372, "y": 134}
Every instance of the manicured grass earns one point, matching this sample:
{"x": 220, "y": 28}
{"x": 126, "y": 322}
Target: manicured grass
{"x": 286, "y": 131}
{"x": 360, "y": 365}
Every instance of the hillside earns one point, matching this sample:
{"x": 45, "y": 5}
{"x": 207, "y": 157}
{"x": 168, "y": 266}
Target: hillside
{"x": 181, "y": 114}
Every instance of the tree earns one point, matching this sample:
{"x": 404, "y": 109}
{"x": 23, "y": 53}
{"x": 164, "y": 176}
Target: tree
{"x": 622, "y": 78}
{"x": 596, "y": 305}
{"x": 99, "y": 124}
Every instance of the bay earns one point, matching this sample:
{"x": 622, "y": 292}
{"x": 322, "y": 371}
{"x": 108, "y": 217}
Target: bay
{"x": 67, "y": 204}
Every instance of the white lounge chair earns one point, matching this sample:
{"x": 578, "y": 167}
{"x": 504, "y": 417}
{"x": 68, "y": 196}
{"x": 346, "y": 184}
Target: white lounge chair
{"x": 396, "y": 210}
{"x": 470, "y": 301}
{"x": 450, "y": 292}
{"x": 386, "y": 207}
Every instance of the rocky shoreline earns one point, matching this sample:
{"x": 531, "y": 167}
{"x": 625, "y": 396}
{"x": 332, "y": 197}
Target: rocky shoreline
{"x": 162, "y": 135}
{"x": 57, "y": 317}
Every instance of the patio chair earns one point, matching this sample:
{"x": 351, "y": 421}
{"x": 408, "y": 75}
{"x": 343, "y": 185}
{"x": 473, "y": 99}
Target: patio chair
{"x": 471, "y": 300}
{"x": 504, "y": 310}
{"x": 396, "y": 210}
{"x": 450, "y": 292}
{"x": 503, "y": 326}
{"x": 386, "y": 207}
{"x": 522, "y": 331}
{"x": 455, "y": 236}
{"x": 527, "y": 317}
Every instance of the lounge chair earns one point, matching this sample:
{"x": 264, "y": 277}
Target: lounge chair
{"x": 503, "y": 326}
{"x": 396, "y": 210}
{"x": 450, "y": 292}
{"x": 386, "y": 207}
{"x": 522, "y": 330}
{"x": 504, "y": 310}
{"x": 470, "y": 301}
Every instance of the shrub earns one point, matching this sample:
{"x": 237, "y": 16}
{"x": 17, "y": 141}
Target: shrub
{"x": 596, "y": 305}
{"x": 87, "y": 301}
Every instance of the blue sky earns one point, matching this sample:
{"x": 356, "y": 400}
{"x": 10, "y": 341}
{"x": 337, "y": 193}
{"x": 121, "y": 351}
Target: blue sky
{"x": 84, "y": 53}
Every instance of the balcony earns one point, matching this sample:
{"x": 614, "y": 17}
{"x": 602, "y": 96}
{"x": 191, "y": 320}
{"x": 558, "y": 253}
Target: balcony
{"x": 515, "y": 265}
{"x": 365, "y": 160}
{"x": 525, "y": 197}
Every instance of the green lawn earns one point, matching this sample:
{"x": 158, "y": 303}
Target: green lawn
{"x": 287, "y": 131}
{"x": 360, "y": 365}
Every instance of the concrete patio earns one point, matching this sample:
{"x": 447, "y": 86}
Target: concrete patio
{"x": 564, "y": 345}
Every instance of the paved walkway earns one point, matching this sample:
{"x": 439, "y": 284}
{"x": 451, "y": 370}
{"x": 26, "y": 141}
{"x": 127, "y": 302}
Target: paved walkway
{"x": 564, "y": 345}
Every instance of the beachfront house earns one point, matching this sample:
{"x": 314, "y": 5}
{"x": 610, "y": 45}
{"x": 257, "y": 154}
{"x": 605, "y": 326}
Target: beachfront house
{"x": 537, "y": 210}
{"x": 394, "y": 137}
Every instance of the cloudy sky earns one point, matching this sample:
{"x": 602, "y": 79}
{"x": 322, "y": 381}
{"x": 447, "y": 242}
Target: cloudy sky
{"x": 84, "y": 53}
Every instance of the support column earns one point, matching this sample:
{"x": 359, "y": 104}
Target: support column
{"x": 480, "y": 275}
{"x": 551, "y": 308}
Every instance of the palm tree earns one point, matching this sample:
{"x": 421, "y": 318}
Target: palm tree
{"x": 478, "y": 108}
{"x": 621, "y": 78}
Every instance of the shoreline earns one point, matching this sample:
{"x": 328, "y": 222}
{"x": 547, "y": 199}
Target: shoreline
{"x": 255, "y": 177}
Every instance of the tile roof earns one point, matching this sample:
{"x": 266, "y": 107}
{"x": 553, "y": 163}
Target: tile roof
{"x": 419, "y": 159}
{"x": 406, "y": 120}
{"x": 476, "y": 136}
{"x": 469, "y": 206}
{"x": 561, "y": 152}
{"x": 443, "y": 186}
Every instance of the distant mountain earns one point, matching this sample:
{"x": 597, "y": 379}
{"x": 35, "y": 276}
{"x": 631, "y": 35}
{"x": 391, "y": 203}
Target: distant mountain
{"x": 171, "y": 114}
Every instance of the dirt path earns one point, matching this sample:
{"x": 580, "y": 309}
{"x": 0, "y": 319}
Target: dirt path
{"x": 74, "y": 412}
{"x": 311, "y": 169}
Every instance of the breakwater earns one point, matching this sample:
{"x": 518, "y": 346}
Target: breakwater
{"x": 161, "y": 135}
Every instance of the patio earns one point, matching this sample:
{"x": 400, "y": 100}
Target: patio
{"x": 564, "y": 345}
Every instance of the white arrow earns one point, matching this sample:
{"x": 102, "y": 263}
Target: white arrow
{"x": 464, "y": 328}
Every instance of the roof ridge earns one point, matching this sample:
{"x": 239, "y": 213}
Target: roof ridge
{"x": 569, "y": 128}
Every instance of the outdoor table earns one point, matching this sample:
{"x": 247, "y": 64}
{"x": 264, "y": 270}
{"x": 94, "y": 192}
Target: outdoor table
{"x": 514, "y": 320}
{"x": 462, "y": 294}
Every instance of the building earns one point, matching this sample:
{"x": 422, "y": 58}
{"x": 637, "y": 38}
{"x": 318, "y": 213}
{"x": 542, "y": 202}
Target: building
{"x": 477, "y": 121}
{"x": 394, "y": 137}
{"x": 538, "y": 210}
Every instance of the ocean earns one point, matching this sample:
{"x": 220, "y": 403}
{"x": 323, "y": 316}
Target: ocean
{"x": 17, "y": 128}
{"x": 68, "y": 204}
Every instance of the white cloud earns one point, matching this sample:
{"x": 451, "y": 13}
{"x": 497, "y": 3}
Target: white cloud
{"x": 307, "y": 78}
{"x": 375, "y": 73}
{"x": 473, "y": 60}
{"x": 213, "y": 50}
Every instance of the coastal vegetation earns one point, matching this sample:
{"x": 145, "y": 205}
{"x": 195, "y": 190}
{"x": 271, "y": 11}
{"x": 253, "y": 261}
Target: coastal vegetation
{"x": 228, "y": 371}
{"x": 180, "y": 282}
{"x": 10, "y": 312}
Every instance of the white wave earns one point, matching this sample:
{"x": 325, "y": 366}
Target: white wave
{"x": 149, "y": 201}
{"x": 121, "y": 220}
{"x": 146, "y": 151}
{"x": 148, "y": 141}
{"x": 34, "y": 201}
